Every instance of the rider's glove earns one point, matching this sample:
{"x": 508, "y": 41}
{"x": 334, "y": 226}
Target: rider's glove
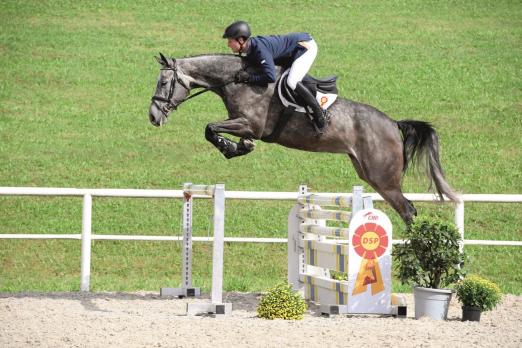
{"x": 242, "y": 77}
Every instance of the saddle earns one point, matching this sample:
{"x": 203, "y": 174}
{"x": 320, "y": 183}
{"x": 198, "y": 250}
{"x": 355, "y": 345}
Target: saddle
{"x": 325, "y": 91}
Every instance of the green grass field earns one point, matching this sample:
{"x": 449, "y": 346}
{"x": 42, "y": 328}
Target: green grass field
{"x": 75, "y": 87}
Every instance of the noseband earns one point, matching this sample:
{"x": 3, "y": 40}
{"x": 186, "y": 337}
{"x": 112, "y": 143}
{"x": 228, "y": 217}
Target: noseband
{"x": 169, "y": 105}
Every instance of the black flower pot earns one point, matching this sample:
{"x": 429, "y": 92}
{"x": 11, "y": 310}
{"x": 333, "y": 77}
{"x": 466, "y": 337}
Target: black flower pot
{"x": 471, "y": 313}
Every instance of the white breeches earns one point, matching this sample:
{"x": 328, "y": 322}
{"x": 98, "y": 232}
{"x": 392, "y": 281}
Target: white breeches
{"x": 301, "y": 65}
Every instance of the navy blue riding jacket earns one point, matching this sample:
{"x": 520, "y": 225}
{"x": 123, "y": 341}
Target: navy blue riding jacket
{"x": 268, "y": 51}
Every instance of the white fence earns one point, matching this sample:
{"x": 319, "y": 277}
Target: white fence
{"x": 87, "y": 194}
{"x": 86, "y": 236}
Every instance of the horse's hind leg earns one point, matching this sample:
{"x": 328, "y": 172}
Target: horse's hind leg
{"x": 402, "y": 205}
{"x": 386, "y": 180}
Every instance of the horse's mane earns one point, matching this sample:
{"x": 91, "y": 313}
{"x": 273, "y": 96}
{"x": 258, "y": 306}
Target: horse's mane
{"x": 214, "y": 55}
{"x": 221, "y": 60}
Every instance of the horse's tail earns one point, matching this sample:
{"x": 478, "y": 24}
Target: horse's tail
{"x": 421, "y": 143}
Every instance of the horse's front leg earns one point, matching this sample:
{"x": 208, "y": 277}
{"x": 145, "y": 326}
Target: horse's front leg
{"x": 239, "y": 127}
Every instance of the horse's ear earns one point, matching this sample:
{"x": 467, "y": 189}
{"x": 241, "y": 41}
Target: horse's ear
{"x": 162, "y": 60}
{"x": 166, "y": 62}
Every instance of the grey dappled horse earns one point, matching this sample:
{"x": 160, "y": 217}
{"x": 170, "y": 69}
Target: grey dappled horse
{"x": 379, "y": 147}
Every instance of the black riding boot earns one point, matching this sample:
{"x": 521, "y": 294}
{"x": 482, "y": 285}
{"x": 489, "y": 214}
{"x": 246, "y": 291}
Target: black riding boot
{"x": 310, "y": 101}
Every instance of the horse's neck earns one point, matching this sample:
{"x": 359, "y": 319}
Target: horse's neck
{"x": 210, "y": 70}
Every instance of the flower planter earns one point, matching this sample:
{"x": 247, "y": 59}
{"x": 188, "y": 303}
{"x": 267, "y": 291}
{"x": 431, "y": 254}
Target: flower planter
{"x": 432, "y": 303}
{"x": 471, "y": 313}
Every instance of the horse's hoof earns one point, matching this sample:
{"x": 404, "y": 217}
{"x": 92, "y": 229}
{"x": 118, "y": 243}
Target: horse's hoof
{"x": 229, "y": 155}
{"x": 248, "y": 144}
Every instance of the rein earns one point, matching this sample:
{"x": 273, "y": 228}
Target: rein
{"x": 169, "y": 104}
{"x": 206, "y": 89}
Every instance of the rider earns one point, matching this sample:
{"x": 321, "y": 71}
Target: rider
{"x": 295, "y": 50}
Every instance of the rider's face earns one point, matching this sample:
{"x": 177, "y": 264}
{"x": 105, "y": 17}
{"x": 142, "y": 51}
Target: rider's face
{"x": 235, "y": 45}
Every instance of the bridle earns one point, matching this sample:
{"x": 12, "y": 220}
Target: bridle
{"x": 169, "y": 104}
{"x": 166, "y": 108}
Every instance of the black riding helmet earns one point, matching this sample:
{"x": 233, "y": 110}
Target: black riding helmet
{"x": 236, "y": 30}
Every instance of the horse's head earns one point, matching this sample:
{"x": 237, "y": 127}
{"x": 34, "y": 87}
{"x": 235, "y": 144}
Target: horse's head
{"x": 171, "y": 90}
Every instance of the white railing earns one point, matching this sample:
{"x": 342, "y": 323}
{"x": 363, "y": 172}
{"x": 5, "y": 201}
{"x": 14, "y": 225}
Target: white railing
{"x": 86, "y": 236}
{"x": 87, "y": 195}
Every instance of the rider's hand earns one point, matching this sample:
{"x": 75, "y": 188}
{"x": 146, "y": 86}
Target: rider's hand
{"x": 241, "y": 77}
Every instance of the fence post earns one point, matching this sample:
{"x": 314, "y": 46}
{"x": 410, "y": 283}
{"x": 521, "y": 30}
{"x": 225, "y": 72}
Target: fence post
{"x": 219, "y": 238}
{"x": 86, "y": 243}
{"x": 187, "y": 242}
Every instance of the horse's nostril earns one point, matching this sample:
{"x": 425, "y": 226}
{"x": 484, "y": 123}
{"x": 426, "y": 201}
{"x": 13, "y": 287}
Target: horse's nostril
{"x": 154, "y": 120}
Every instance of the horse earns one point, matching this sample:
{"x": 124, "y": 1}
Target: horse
{"x": 380, "y": 149}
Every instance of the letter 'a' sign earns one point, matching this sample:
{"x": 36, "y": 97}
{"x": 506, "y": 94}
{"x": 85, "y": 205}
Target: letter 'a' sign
{"x": 370, "y": 262}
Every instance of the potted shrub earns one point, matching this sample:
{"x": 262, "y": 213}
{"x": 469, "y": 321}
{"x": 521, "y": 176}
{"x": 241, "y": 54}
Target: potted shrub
{"x": 430, "y": 259}
{"x": 477, "y": 295}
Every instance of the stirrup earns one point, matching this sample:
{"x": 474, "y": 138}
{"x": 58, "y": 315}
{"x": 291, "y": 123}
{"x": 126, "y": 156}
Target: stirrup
{"x": 327, "y": 115}
{"x": 318, "y": 130}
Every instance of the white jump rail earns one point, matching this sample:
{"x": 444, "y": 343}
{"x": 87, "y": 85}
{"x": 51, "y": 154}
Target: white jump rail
{"x": 238, "y": 195}
{"x": 88, "y": 194}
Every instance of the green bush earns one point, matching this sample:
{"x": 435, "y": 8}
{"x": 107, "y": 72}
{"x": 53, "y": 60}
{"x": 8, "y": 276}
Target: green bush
{"x": 475, "y": 291}
{"x": 283, "y": 303}
{"x": 430, "y": 256}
